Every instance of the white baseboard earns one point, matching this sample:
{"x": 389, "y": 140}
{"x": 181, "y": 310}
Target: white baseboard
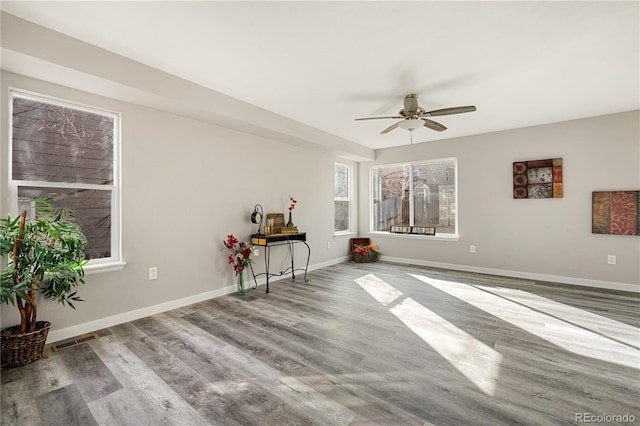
{"x": 92, "y": 326}
{"x": 329, "y": 263}
{"x": 517, "y": 274}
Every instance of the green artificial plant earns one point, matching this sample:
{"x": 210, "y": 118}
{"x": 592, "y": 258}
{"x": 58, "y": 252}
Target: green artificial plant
{"x": 45, "y": 255}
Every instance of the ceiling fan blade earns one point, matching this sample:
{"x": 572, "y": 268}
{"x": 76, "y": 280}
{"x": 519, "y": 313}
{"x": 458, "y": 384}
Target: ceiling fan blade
{"x": 378, "y": 118}
{"x": 433, "y": 125}
{"x": 390, "y": 128}
{"x": 449, "y": 111}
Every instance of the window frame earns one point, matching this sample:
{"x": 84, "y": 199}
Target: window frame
{"x": 445, "y": 237}
{"x": 348, "y": 198}
{"x": 106, "y": 264}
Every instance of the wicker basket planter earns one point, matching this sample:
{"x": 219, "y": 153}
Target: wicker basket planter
{"x": 361, "y": 257}
{"x": 364, "y": 258}
{"x": 21, "y": 349}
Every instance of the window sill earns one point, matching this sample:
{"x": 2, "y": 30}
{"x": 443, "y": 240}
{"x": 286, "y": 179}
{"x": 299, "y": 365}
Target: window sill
{"x": 447, "y": 237}
{"x": 344, "y": 234}
{"x": 104, "y": 267}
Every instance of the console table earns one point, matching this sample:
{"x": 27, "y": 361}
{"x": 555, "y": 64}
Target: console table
{"x": 271, "y": 240}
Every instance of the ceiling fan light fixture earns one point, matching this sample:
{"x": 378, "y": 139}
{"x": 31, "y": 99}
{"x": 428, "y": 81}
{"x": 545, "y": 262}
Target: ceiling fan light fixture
{"x": 411, "y": 124}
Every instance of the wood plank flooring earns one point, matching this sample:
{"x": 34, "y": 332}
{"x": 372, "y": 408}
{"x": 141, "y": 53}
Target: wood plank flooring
{"x": 359, "y": 344}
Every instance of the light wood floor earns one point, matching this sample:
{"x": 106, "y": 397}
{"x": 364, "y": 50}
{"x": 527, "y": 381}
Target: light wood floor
{"x": 358, "y": 344}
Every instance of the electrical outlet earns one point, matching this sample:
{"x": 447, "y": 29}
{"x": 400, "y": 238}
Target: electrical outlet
{"x": 611, "y": 260}
{"x": 328, "y": 244}
{"x": 472, "y": 248}
{"x": 153, "y": 273}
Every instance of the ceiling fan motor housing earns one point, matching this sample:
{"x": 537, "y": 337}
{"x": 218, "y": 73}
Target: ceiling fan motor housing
{"x": 411, "y": 104}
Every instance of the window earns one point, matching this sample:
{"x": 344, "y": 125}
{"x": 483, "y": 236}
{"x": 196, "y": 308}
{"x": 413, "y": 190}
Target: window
{"x": 342, "y": 197}
{"x": 415, "y": 194}
{"x": 68, "y": 152}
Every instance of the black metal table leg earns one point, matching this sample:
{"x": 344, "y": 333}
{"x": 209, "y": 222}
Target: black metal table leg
{"x": 306, "y": 268}
{"x": 267, "y": 251}
{"x": 293, "y": 269}
{"x": 255, "y": 281}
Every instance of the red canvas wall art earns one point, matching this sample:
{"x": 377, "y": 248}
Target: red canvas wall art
{"x": 615, "y": 212}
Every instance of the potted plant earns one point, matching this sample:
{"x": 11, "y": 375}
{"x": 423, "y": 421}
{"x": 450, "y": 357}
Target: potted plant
{"x": 45, "y": 256}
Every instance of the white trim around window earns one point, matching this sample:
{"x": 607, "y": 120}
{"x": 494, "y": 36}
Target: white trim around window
{"x": 343, "y": 208}
{"x": 108, "y": 189}
{"x": 437, "y": 180}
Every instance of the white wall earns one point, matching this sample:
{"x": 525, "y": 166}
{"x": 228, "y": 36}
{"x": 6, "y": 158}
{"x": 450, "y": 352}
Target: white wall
{"x": 548, "y": 239}
{"x": 186, "y": 185}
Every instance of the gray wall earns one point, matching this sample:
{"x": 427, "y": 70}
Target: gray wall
{"x": 189, "y": 179}
{"x": 186, "y": 185}
{"x": 547, "y": 239}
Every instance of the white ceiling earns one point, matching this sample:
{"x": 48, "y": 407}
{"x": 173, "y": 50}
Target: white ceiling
{"x": 326, "y": 63}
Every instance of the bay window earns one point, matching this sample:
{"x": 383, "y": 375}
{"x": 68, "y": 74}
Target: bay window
{"x": 421, "y": 194}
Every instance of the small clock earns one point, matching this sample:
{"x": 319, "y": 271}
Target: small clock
{"x": 257, "y": 215}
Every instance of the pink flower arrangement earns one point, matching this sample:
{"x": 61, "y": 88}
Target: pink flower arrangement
{"x": 293, "y": 203}
{"x": 241, "y": 252}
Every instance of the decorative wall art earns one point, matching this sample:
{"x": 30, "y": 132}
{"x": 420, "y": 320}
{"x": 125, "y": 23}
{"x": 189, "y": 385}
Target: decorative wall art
{"x": 615, "y": 212}
{"x": 537, "y": 178}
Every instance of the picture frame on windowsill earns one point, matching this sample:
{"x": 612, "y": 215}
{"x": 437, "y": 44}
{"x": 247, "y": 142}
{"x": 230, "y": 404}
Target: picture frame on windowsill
{"x": 415, "y": 230}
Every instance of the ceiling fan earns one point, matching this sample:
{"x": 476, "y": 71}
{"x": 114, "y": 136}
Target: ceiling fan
{"x": 414, "y": 116}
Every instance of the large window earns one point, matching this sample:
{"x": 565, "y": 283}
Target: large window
{"x": 415, "y": 194}
{"x": 342, "y": 197}
{"x": 68, "y": 152}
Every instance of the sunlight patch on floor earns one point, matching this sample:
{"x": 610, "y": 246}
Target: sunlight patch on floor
{"x": 380, "y": 290}
{"x": 557, "y": 329}
{"x": 599, "y": 324}
{"x": 475, "y": 360}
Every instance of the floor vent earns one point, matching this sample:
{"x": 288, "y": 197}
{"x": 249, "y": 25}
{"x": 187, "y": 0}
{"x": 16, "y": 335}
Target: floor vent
{"x": 75, "y": 342}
